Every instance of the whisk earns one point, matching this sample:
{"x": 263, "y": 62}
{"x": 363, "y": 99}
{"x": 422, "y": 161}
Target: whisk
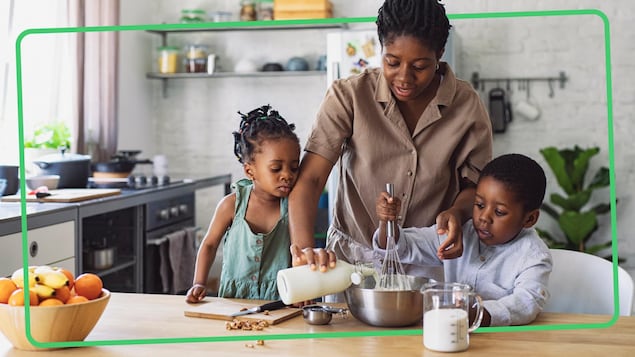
{"x": 392, "y": 276}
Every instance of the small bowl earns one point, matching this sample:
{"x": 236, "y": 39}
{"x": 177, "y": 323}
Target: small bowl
{"x": 52, "y": 323}
{"x": 49, "y": 181}
{"x": 320, "y": 314}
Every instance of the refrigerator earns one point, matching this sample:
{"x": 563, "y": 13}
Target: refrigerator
{"x": 351, "y": 51}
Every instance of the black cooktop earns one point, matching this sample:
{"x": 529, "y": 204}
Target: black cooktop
{"x": 133, "y": 182}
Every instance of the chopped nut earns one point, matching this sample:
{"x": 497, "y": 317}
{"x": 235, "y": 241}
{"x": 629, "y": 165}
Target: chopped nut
{"x": 243, "y": 309}
{"x": 260, "y": 342}
{"x": 266, "y": 312}
{"x": 249, "y": 345}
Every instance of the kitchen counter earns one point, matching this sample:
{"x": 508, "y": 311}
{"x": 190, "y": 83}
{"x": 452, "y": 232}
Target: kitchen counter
{"x": 136, "y": 317}
{"x": 42, "y": 214}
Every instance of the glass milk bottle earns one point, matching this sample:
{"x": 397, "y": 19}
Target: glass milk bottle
{"x": 302, "y": 284}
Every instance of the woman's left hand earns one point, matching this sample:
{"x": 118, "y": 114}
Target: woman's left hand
{"x": 449, "y": 223}
{"x": 313, "y": 256}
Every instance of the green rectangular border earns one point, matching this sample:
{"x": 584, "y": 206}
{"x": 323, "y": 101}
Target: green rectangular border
{"x": 387, "y": 332}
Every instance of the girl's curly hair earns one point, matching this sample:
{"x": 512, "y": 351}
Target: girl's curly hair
{"x": 257, "y": 126}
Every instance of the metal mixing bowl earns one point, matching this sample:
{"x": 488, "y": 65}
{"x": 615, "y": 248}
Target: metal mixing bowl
{"x": 386, "y": 308}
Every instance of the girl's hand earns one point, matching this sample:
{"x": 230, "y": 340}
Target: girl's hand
{"x": 449, "y": 223}
{"x": 196, "y": 293}
{"x": 313, "y": 256}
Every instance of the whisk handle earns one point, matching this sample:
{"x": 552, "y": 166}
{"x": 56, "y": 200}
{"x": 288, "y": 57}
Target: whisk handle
{"x": 390, "y": 225}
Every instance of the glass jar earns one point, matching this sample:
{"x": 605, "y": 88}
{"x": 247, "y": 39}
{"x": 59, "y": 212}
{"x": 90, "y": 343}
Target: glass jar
{"x": 248, "y": 10}
{"x": 167, "y": 58}
{"x": 195, "y": 58}
{"x": 265, "y": 10}
{"x": 191, "y": 16}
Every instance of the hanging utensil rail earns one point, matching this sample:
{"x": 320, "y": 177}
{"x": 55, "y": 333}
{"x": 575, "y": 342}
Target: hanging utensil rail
{"x": 479, "y": 82}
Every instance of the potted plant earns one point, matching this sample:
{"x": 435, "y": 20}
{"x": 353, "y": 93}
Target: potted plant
{"x": 51, "y": 135}
{"x": 47, "y": 139}
{"x": 576, "y": 220}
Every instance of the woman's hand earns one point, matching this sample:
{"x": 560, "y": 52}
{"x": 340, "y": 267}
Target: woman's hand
{"x": 448, "y": 222}
{"x": 313, "y": 256}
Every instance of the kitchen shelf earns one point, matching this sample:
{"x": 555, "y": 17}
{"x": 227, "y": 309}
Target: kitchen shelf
{"x": 155, "y": 75}
{"x": 270, "y": 26}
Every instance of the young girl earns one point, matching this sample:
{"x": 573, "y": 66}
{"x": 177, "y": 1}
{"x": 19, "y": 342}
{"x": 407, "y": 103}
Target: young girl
{"x": 252, "y": 222}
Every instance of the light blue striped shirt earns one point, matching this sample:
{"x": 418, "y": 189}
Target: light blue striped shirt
{"x": 511, "y": 278}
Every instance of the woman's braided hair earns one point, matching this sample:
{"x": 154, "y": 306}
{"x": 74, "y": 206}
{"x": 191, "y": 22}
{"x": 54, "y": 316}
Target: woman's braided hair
{"x": 257, "y": 126}
{"x": 423, "y": 19}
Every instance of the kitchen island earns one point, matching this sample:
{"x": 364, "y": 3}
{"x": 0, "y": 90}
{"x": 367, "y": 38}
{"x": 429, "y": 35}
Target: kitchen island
{"x": 137, "y": 317}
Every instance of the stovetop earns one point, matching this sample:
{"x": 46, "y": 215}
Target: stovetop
{"x": 133, "y": 182}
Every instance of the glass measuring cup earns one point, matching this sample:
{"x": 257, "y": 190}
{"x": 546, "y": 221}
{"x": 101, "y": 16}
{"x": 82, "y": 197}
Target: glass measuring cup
{"x": 446, "y": 310}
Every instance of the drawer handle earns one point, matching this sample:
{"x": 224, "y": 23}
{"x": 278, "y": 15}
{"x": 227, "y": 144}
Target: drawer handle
{"x": 33, "y": 248}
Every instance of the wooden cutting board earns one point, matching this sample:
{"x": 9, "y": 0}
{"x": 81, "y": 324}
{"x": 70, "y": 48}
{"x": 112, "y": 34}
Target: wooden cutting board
{"x": 68, "y": 195}
{"x": 221, "y": 310}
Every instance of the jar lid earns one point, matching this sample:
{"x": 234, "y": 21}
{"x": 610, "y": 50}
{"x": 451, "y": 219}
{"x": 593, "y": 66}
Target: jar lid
{"x": 193, "y": 11}
{"x": 167, "y": 48}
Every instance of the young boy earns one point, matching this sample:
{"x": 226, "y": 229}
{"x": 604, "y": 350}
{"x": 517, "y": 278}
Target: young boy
{"x": 504, "y": 259}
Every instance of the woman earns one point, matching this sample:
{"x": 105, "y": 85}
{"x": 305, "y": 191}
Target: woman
{"x": 410, "y": 122}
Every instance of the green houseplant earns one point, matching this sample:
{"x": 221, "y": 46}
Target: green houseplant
{"x": 576, "y": 220}
{"x": 50, "y": 136}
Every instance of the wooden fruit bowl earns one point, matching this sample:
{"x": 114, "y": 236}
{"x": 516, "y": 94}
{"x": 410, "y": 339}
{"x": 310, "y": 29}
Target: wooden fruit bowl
{"x": 52, "y": 323}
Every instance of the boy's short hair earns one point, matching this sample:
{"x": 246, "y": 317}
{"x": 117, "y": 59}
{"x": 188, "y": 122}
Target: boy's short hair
{"x": 522, "y": 175}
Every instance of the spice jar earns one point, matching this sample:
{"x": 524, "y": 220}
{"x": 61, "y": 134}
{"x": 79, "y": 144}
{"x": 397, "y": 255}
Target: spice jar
{"x": 195, "y": 60}
{"x": 247, "y": 10}
{"x": 167, "y": 59}
{"x": 265, "y": 10}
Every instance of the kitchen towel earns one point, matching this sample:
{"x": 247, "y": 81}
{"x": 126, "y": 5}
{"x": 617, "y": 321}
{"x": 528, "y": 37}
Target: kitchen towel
{"x": 182, "y": 259}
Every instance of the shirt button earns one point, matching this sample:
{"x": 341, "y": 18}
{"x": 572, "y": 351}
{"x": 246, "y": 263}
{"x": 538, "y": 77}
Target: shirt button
{"x": 258, "y": 241}
{"x": 254, "y": 278}
{"x": 482, "y": 258}
{"x": 409, "y": 173}
{"x": 257, "y": 259}
{"x": 403, "y": 194}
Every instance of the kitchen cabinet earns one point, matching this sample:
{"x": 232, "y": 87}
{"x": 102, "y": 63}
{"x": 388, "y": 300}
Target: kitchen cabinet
{"x": 184, "y": 75}
{"x": 52, "y": 245}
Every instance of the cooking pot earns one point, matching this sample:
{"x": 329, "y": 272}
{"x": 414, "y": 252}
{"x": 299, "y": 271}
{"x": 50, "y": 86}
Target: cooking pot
{"x": 73, "y": 169}
{"x": 100, "y": 258}
{"x": 10, "y": 173}
{"x": 121, "y": 165}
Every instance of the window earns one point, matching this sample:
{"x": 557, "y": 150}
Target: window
{"x": 48, "y": 70}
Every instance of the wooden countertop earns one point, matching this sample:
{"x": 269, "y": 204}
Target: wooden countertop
{"x": 137, "y": 317}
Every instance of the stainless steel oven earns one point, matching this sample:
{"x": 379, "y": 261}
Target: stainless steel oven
{"x": 167, "y": 220}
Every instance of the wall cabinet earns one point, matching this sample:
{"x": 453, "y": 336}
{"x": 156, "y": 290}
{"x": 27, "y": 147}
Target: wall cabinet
{"x": 164, "y": 77}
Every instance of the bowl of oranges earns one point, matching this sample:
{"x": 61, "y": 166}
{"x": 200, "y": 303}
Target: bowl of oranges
{"x": 62, "y": 307}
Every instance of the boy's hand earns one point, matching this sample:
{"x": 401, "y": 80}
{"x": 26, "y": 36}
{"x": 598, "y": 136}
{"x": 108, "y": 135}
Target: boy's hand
{"x": 313, "y": 256}
{"x": 448, "y": 222}
{"x": 387, "y": 208}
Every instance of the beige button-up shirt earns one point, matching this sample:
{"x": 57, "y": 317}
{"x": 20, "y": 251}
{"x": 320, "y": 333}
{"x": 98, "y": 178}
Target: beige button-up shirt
{"x": 359, "y": 124}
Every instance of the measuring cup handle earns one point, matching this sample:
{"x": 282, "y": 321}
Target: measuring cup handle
{"x": 479, "y": 313}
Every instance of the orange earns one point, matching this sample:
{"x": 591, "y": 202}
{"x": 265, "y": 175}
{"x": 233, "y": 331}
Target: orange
{"x": 51, "y": 302}
{"x": 17, "y": 298}
{"x": 7, "y": 286}
{"x": 69, "y": 275}
{"x": 88, "y": 285}
{"x": 63, "y": 293}
{"x": 76, "y": 300}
